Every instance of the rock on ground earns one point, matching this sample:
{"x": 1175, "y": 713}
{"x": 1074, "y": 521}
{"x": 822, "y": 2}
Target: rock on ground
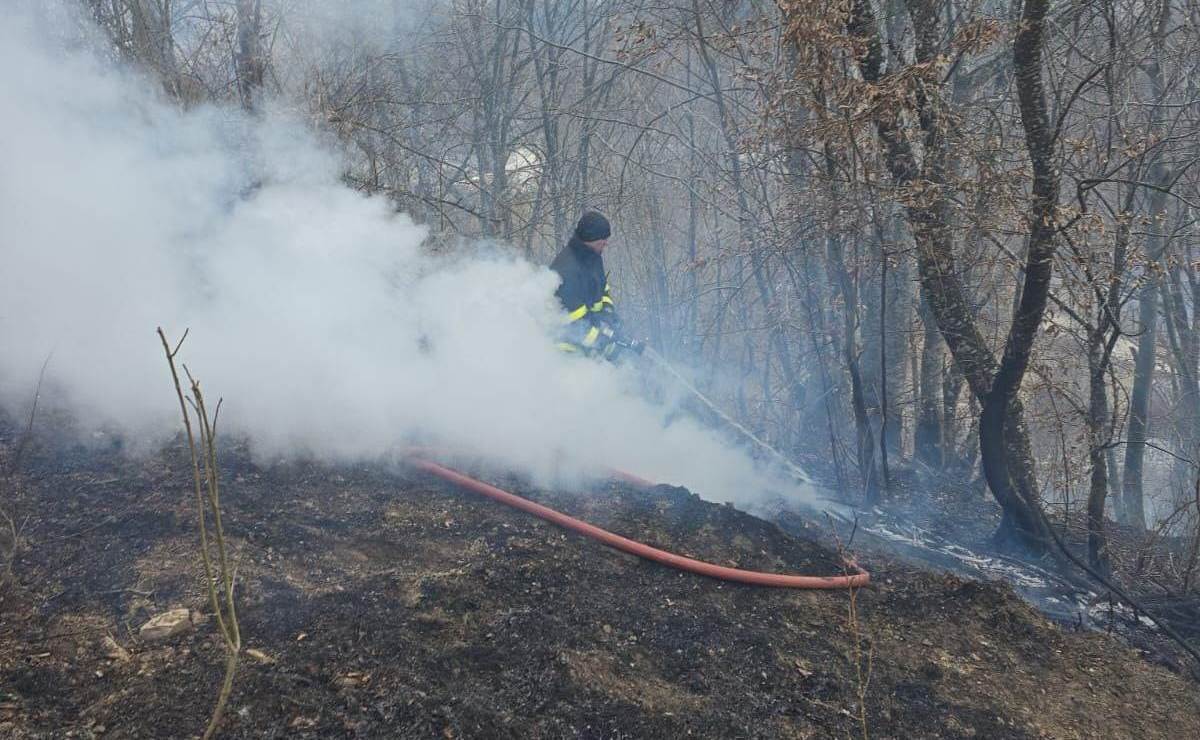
{"x": 166, "y": 625}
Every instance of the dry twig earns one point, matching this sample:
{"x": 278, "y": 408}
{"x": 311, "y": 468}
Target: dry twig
{"x": 219, "y": 585}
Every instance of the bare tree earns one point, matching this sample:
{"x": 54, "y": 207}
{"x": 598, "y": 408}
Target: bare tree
{"x": 248, "y": 57}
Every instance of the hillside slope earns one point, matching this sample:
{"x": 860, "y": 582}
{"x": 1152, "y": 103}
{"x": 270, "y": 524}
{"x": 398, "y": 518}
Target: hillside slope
{"x": 395, "y": 605}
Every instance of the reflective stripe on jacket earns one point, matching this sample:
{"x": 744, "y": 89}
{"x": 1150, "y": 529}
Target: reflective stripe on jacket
{"x": 591, "y": 321}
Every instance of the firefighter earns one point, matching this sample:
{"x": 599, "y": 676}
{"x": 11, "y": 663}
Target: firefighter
{"x": 592, "y": 326}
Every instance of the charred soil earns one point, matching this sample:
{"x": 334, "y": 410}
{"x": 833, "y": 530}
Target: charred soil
{"x": 389, "y": 604}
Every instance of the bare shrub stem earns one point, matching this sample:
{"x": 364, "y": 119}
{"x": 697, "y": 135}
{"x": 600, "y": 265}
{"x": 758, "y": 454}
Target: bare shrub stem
{"x": 206, "y": 486}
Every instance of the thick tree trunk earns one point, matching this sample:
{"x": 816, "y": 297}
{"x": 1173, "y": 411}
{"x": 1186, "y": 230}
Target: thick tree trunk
{"x": 1007, "y": 460}
{"x": 927, "y": 439}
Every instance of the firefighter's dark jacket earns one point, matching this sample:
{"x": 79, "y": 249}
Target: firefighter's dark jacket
{"x": 592, "y": 324}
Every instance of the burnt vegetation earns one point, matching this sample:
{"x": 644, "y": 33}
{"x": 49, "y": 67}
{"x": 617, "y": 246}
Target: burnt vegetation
{"x": 375, "y": 603}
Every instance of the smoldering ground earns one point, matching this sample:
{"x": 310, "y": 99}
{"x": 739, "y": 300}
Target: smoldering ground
{"x": 314, "y": 311}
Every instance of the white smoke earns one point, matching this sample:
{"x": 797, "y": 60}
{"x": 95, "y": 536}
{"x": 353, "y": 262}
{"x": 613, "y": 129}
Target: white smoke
{"x": 314, "y": 311}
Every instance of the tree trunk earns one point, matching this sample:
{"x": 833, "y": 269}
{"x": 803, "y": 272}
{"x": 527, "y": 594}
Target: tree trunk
{"x": 546, "y": 73}
{"x": 817, "y": 329}
{"x": 864, "y": 438}
{"x": 927, "y": 440}
{"x": 844, "y": 283}
{"x": 1004, "y": 441}
{"x": 1183, "y": 334}
{"x": 1097, "y": 420}
{"x": 898, "y": 344}
{"x": 885, "y": 474}
{"x": 153, "y": 42}
{"x": 1007, "y": 460}
{"x": 870, "y": 336}
{"x": 248, "y": 59}
{"x": 1132, "y": 507}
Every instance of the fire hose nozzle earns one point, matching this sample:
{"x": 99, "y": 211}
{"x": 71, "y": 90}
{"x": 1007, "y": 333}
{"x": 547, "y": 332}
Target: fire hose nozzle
{"x": 636, "y": 346}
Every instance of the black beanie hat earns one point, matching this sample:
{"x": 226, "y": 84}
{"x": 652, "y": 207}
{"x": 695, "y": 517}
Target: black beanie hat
{"x": 592, "y": 227}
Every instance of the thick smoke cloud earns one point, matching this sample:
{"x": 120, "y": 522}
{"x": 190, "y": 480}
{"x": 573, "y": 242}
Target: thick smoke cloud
{"x": 314, "y": 311}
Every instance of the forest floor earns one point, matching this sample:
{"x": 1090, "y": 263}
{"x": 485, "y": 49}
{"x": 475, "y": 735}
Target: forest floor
{"x": 390, "y": 604}
{"x": 948, "y": 525}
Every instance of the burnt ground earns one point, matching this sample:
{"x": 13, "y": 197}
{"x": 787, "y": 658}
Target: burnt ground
{"x": 390, "y": 604}
{"x": 946, "y": 524}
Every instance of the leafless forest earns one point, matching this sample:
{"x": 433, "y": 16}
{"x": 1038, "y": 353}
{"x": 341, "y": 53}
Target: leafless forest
{"x": 922, "y": 238}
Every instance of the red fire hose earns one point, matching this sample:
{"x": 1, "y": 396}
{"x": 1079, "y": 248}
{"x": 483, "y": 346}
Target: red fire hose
{"x": 860, "y": 578}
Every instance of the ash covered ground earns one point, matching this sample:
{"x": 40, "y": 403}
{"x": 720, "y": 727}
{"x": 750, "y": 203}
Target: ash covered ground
{"x": 389, "y": 604}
